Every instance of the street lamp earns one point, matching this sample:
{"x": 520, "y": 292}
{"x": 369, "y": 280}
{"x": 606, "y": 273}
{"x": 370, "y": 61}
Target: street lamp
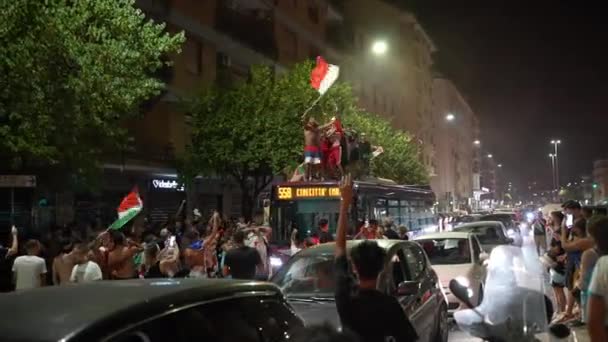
{"x": 476, "y": 142}
{"x": 450, "y": 117}
{"x": 499, "y": 165}
{"x": 379, "y": 47}
{"x": 556, "y": 142}
{"x": 552, "y": 156}
{"x": 490, "y": 156}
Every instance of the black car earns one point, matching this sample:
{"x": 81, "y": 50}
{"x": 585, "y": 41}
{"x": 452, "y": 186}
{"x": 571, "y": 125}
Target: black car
{"x": 149, "y": 310}
{"x": 307, "y": 282}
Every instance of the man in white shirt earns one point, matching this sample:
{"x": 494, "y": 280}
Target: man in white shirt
{"x": 29, "y": 270}
{"x": 85, "y": 270}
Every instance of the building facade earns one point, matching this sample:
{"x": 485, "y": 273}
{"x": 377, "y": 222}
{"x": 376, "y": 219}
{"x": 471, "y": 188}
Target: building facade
{"x": 223, "y": 39}
{"x": 396, "y": 85}
{"x": 454, "y": 130}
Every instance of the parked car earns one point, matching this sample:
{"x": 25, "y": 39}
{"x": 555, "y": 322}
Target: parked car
{"x": 489, "y": 233}
{"x": 150, "y": 310}
{"x": 307, "y": 281}
{"x": 457, "y": 255}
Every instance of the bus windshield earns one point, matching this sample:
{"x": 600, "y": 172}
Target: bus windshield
{"x": 305, "y": 215}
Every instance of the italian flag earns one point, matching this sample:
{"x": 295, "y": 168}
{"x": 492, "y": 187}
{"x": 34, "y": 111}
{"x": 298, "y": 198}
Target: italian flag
{"x": 130, "y": 206}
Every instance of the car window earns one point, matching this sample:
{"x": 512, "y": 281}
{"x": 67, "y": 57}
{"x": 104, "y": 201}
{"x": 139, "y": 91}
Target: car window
{"x": 486, "y": 234}
{"x": 415, "y": 262}
{"x": 447, "y": 251}
{"x": 244, "y": 319}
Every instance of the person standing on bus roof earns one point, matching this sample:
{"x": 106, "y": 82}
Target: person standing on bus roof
{"x": 312, "y": 152}
{"x": 324, "y": 234}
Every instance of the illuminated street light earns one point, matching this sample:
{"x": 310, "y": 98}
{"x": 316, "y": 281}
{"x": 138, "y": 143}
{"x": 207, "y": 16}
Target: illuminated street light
{"x": 450, "y": 117}
{"x": 490, "y": 156}
{"x": 379, "y": 47}
{"x": 499, "y": 165}
{"x": 477, "y": 142}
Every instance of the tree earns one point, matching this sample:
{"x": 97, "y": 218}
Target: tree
{"x": 253, "y": 130}
{"x": 400, "y": 159}
{"x": 72, "y": 72}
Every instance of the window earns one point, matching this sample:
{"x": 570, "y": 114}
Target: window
{"x": 245, "y": 319}
{"x": 313, "y": 14}
{"x": 193, "y": 51}
{"x": 415, "y": 262}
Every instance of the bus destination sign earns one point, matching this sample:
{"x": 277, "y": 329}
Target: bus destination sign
{"x": 291, "y": 193}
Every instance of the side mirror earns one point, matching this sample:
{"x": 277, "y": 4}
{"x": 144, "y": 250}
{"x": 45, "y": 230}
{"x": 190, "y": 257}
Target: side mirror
{"x": 408, "y": 288}
{"x": 461, "y": 292}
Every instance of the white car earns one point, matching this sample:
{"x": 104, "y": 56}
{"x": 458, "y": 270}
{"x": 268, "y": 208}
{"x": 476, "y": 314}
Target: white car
{"x": 457, "y": 255}
{"x": 489, "y": 233}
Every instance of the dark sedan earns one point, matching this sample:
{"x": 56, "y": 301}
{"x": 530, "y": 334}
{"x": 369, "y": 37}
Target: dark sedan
{"x": 307, "y": 282}
{"x": 149, "y": 310}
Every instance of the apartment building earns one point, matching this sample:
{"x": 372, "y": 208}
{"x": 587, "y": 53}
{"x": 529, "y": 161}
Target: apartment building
{"x": 454, "y": 133}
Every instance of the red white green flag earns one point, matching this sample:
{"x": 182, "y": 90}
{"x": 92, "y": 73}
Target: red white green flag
{"x": 130, "y": 206}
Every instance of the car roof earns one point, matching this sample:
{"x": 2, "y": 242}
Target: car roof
{"x": 61, "y": 312}
{"x": 329, "y": 248}
{"x": 478, "y": 224}
{"x": 445, "y": 235}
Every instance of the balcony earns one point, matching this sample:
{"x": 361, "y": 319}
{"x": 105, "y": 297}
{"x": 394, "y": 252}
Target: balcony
{"x": 252, "y": 26}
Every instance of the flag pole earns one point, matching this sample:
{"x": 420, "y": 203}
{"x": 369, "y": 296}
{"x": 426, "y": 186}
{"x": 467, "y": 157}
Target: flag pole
{"x": 311, "y": 106}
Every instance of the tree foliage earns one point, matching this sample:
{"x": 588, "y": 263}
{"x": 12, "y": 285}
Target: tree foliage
{"x": 253, "y": 130}
{"x": 72, "y": 72}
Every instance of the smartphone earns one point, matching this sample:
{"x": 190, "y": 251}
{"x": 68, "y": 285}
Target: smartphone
{"x": 569, "y": 221}
{"x": 172, "y": 241}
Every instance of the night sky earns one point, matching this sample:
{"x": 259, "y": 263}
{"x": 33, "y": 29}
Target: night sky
{"x": 531, "y": 73}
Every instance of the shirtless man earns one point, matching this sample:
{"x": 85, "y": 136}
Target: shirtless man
{"x": 312, "y": 152}
{"x": 120, "y": 259}
{"x": 195, "y": 255}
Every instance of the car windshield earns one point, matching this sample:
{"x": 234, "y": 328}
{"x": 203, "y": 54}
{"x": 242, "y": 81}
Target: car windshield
{"x": 447, "y": 251}
{"x": 307, "y": 276}
{"x": 506, "y": 219}
{"x": 486, "y": 234}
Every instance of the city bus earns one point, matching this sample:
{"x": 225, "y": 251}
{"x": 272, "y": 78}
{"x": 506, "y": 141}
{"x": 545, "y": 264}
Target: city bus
{"x": 303, "y": 204}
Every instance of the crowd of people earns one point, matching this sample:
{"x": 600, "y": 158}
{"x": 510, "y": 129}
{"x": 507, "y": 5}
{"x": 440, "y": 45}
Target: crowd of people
{"x": 577, "y": 257}
{"x": 179, "y": 248}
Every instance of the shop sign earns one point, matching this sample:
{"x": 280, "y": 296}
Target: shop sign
{"x": 167, "y": 184}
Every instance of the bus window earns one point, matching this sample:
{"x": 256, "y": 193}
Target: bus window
{"x": 309, "y": 212}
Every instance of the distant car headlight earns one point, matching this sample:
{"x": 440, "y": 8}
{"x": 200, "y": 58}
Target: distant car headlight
{"x": 276, "y": 262}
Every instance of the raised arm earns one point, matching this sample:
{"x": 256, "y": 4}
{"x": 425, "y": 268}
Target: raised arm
{"x": 15, "y": 243}
{"x": 215, "y": 224}
{"x": 346, "y": 194}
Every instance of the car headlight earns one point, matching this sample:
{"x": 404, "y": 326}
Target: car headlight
{"x": 276, "y": 262}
